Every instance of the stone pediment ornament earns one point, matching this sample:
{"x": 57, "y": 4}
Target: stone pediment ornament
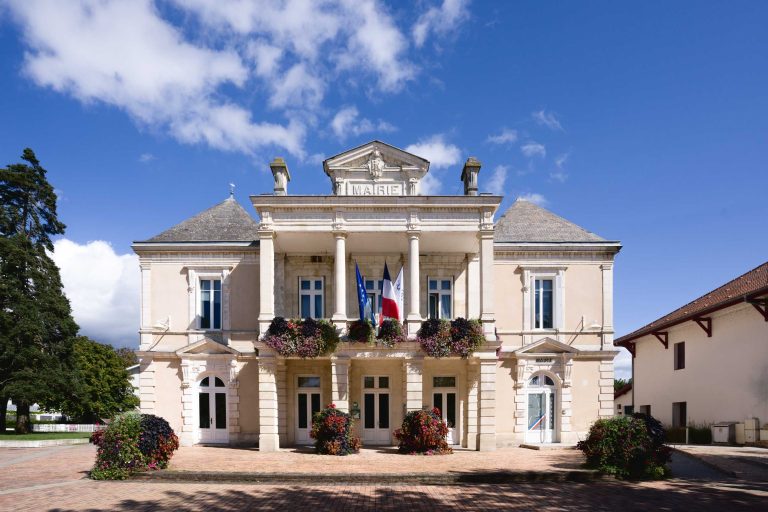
{"x": 376, "y": 165}
{"x": 546, "y": 346}
{"x": 207, "y": 346}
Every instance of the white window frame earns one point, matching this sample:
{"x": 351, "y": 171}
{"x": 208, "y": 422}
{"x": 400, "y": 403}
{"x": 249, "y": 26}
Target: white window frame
{"x": 197, "y": 274}
{"x": 540, "y": 321}
{"x": 312, "y": 293}
{"x": 210, "y": 303}
{"x": 375, "y": 294}
{"x": 557, "y": 275}
{"x": 441, "y": 294}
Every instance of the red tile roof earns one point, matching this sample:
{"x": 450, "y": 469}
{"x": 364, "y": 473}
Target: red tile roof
{"x": 750, "y": 285}
{"x": 626, "y": 388}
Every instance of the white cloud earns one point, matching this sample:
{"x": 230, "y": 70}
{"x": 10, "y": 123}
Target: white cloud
{"x": 440, "y": 20}
{"x": 251, "y": 57}
{"x": 497, "y": 180}
{"x": 623, "y": 364}
{"x": 531, "y": 149}
{"x": 506, "y": 136}
{"x": 548, "y": 119}
{"x": 560, "y": 174}
{"x": 146, "y": 157}
{"x": 346, "y": 122}
{"x": 103, "y": 288}
{"x": 439, "y": 153}
{"x": 430, "y": 184}
{"x": 533, "y": 198}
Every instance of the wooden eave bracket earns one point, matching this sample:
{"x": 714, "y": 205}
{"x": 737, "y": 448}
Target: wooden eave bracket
{"x": 706, "y": 324}
{"x": 663, "y": 337}
{"x": 631, "y": 348}
{"x": 761, "y": 305}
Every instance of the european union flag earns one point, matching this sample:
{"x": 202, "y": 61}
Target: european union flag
{"x": 362, "y": 296}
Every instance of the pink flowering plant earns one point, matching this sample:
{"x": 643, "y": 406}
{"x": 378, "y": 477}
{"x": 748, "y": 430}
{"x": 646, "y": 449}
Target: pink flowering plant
{"x": 443, "y": 338}
{"x": 391, "y": 333}
{"x": 131, "y": 443}
{"x": 423, "y": 432}
{"x": 305, "y": 338}
{"x": 332, "y": 432}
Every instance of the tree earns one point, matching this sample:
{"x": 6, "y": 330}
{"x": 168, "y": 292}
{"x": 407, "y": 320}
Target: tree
{"x": 620, "y": 383}
{"x": 36, "y": 325}
{"x": 101, "y": 385}
{"x": 128, "y": 355}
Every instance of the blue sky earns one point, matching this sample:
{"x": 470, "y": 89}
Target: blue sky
{"x": 645, "y": 123}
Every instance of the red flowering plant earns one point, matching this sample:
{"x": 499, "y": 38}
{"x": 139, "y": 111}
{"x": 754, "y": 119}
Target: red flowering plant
{"x": 131, "y": 443}
{"x": 332, "y": 432}
{"x": 423, "y": 432}
{"x": 442, "y": 338}
{"x": 390, "y": 333}
{"x": 306, "y": 338}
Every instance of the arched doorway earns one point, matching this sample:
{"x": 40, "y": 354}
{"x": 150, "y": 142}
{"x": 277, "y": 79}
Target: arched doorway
{"x": 543, "y": 420}
{"x": 212, "y": 410}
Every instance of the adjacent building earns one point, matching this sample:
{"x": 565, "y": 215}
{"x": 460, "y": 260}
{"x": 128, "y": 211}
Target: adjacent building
{"x": 706, "y": 362}
{"x": 541, "y": 286}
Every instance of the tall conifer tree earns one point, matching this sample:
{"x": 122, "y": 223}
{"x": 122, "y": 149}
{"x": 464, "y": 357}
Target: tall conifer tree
{"x": 36, "y": 325}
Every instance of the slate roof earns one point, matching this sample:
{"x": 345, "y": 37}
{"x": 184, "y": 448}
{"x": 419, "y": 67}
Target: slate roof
{"x": 225, "y": 222}
{"x": 527, "y": 222}
{"x": 752, "y": 284}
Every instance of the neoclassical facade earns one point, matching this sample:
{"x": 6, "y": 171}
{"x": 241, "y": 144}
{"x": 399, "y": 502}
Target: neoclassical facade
{"x": 541, "y": 286}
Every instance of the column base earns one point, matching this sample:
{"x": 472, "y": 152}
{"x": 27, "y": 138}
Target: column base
{"x": 340, "y": 323}
{"x": 486, "y": 442}
{"x": 269, "y": 442}
{"x": 264, "y": 323}
{"x": 413, "y": 324}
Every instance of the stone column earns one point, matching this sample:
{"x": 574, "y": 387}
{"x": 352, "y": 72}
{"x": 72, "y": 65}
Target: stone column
{"x": 282, "y": 399}
{"x": 269, "y": 440}
{"x": 473, "y": 285}
{"x": 339, "y": 318}
{"x": 188, "y": 397}
{"x": 486, "y": 284}
{"x": 414, "y": 390}
{"x": 607, "y": 271}
{"x": 473, "y": 399}
{"x": 414, "y": 307}
{"x": 145, "y": 336}
{"x": 487, "y": 437}
{"x": 266, "y": 279}
{"x": 340, "y": 383}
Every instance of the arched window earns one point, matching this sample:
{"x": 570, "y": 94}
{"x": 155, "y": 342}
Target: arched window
{"x": 541, "y": 380}
{"x": 206, "y": 382}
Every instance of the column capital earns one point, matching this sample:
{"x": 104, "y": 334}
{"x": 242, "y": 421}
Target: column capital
{"x": 339, "y": 233}
{"x": 266, "y": 232}
{"x": 606, "y": 266}
{"x": 413, "y": 232}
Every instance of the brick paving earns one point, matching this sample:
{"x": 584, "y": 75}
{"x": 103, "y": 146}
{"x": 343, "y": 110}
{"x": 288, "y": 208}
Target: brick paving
{"x": 54, "y": 479}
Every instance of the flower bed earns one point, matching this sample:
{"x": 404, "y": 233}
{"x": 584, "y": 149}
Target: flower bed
{"x": 442, "y": 338}
{"x": 133, "y": 442}
{"x": 332, "y": 432}
{"x": 423, "y": 432}
{"x": 390, "y": 332}
{"x": 627, "y": 447}
{"x": 304, "y": 338}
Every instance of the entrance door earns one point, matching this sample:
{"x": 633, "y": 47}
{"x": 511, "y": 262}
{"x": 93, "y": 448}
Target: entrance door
{"x": 212, "y": 411}
{"x": 444, "y": 399}
{"x": 307, "y": 404}
{"x": 376, "y": 410}
{"x": 542, "y": 414}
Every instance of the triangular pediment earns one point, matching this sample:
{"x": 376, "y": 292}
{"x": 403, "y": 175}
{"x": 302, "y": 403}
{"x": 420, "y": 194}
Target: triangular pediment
{"x": 376, "y": 168}
{"x": 547, "y": 346}
{"x": 206, "y": 346}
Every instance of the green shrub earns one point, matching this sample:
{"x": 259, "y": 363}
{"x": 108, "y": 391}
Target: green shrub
{"x": 675, "y": 435}
{"x": 332, "y": 432}
{"x": 423, "y": 432}
{"x": 133, "y": 442}
{"x": 700, "y": 434}
{"x": 627, "y": 447}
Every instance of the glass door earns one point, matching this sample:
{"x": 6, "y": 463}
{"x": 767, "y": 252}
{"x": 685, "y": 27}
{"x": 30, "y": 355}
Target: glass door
{"x": 212, "y": 411}
{"x": 376, "y": 410}
{"x": 444, "y": 399}
{"x": 542, "y": 412}
{"x": 307, "y": 404}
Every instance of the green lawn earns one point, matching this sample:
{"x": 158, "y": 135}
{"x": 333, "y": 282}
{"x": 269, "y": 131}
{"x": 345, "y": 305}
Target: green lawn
{"x": 43, "y": 436}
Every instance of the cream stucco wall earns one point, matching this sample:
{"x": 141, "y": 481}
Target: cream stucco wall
{"x": 621, "y": 402}
{"x": 586, "y": 392}
{"x": 248, "y": 391}
{"x": 168, "y": 392}
{"x": 725, "y": 377}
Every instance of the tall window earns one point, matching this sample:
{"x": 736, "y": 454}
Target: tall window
{"x": 311, "y": 297}
{"x": 373, "y": 290}
{"x": 543, "y": 304}
{"x": 210, "y": 304}
{"x": 679, "y": 414}
{"x": 440, "y": 298}
{"x": 680, "y": 355}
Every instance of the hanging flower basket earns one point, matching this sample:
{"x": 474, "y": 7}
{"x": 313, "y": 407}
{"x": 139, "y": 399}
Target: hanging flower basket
{"x": 361, "y": 331}
{"x": 306, "y": 338}
{"x": 390, "y": 333}
{"x": 443, "y": 338}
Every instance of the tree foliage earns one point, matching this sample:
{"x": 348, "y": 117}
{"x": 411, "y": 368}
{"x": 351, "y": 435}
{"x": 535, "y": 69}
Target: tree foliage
{"x": 36, "y": 325}
{"x": 620, "y": 383}
{"x": 101, "y": 385}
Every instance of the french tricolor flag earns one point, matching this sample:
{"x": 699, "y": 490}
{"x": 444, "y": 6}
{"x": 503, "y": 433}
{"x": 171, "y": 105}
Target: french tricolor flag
{"x": 390, "y": 298}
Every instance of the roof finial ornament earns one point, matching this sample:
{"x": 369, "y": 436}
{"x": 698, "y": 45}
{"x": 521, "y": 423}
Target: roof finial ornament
{"x": 232, "y": 190}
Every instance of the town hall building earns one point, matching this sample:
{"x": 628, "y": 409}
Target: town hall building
{"x": 541, "y": 287}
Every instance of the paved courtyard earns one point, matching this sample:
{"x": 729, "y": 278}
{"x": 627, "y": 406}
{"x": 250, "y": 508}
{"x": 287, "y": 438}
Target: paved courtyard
{"x": 55, "y": 479}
